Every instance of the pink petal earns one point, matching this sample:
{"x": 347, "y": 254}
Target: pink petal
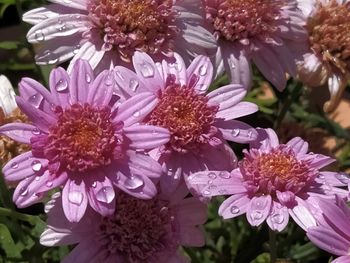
{"x": 219, "y": 157}
{"x": 59, "y": 83}
{"x": 298, "y": 145}
{"x": 234, "y": 206}
{"x": 144, "y": 165}
{"x": 74, "y": 199}
{"x": 342, "y": 259}
{"x": 259, "y": 209}
{"x": 191, "y": 212}
{"x": 302, "y": 215}
{"x": 100, "y": 94}
{"x": 172, "y": 176}
{"x": 267, "y": 138}
{"x": 279, "y": 217}
{"x": 236, "y": 131}
{"x": 53, "y": 181}
{"x": 286, "y": 198}
{"x": 176, "y": 68}
{"x": 85, "y": 251}
{"x": 20, "y": 132}
{"x": 136, "y": 108}
{"x": 78, "y": 4}
{"x": 227, "y": 96}
{"x": 239, "y": 110}
{"x": 191, "y": 236}
{"x": 200, "y": 74}
{"x": 81, "y": 77}
{"x": 146, "y": 136}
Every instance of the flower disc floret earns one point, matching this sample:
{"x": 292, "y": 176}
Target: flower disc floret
{"x": 83, "y": 138}
{"x": 186, "y": 114}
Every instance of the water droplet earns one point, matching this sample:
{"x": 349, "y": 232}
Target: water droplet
{"x": 256, "y": 215}
{"x": 175, "y": 65}
{"x": 206, "y": 192}
{"x": 61, "y": 85}
{"x": 234, "y": 209}
{"x": 75, "y": 197}
{"x": 37, "y": 178}
{"x": 147, "y": 69}
{"x": 133, "y": 84}
{"x": 278, "y": 218}
{"x": 136, "y": 114}
{"x": 36, "y": 166}
{"x": 133, "y": 182}
{"x": 250, "y": 134}
{"x": 225, "y": 175}
{"x": 94, "y": 184}
{"x": 235, "y": 132}
{"x": 24, "y": 191}
{"x": 88, "y": 78}
{"x": 212, "y": 175}
{"x": 203, "y": 70}
{"x": 321, "y": 176}
{"x": 342, "y": 177}
{"x": 109, "y": 79}
{"x": 49, "y": 183}
{"x": 170, "y": 172}
{"x": 14, "y": 165}
{"x": 203, "y": 87}
{"x": 105, "y": 194}
{"x": 36, "y": 131}
{"x": 119, "y": 74}
{"x": 36, "y": 100}
{"x": 39, "y": 36}
{"x": 210, "y": 181}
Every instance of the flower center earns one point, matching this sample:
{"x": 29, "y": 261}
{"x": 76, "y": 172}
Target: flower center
{"x": 243, "y": 19}
{"x": 139, "y": 230}
{"x": 329, "y": 31}
{"x": 186, "y": 115}
{"x": 277, "y": 170}
{"x": 129, "y": 25}
{"x": 83, "y": 138}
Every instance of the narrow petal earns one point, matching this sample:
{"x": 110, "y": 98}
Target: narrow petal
{"x": 84, "y": 252}
{"x": 302, "y": 215}
{"x": 200, "y": 74}
{"x": 146, "y": 136}
{"x": 144, "y": 165}
{"x": 259, "y": 209}
{"x": 176, "y": 68}
{"x": 172, "y": 175}
{"x": 78, "y": 4}
{"x": 74, "y": 200}
{"x": 100, "y": 94}
{"x": 298, "y": 145}
{"x": 234, "y": 206}
{"x": 136, "y": 108}
{"x": 279, "y": 217}
{"x": 191, "y": 236}
{"x": 239, "y": 110}
{"x": 59, "y": 83}
{"x": 81, "y": 77}
{"x": 342, "y": 259}
{"x": 20, "y": 132}
{"x": 191, "y": 212}
{"x": 227, "y": 96}
{"x": 40, "y": 14}
{"x": 236, "y": 131}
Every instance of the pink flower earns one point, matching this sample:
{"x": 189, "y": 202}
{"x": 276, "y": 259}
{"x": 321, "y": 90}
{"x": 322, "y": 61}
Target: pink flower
{"x": 139, "y": 230}
{"x": 108, "y": 32}
{"x": 83, "y": 141}
{"x": 258, "y": 31}
{"x": 327, "y": 60}
{"x": 272, "y": 182}
{"x": 332, "y": 233}
{"x": 199, "y": 123}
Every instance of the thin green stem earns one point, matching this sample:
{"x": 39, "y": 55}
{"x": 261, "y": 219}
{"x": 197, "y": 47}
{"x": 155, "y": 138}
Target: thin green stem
{"x": 273, "y": 248}
{"x": 16, "y": 215}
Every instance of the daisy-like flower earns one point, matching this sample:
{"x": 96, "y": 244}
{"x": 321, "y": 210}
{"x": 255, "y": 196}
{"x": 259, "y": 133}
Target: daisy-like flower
{"x": 83, "y": 141}
{"x": 332, "y": 232}
{"x": 328, "y": 59}
{"x": 199, "y": 123}
{"x": 258, "y": 31}
{"x": 139, "y": 230}
{"x": 106, "y": 32}
{"x": 272, "y": 182}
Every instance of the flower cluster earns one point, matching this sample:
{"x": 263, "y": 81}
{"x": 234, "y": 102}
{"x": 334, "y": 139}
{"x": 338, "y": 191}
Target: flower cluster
{"x": 134, "y": 136}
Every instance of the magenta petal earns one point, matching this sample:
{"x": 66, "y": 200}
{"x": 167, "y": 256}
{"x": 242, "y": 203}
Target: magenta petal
{"x": 146, "y": 136}
{"x": 59, "y": 83}
{"x": 191, "y": 212}
{"x": 53, "y": 181}
{"x": 328, "y": 240}
{"x": 136, "y": 108}
{"x": 36, "y": 94}
{"x": 101, "y": 195}
{"x": 20, "y": 132}
{"x": 234, "y": 206}
{"x": 81, "y": 77}
{"x": 259, "y": 209}
{"x": 26, "y": 191}
{"x": 342, "y": 259}
{"x": 267, "y": 139}
{"x": 318, "y": 161}
{"x": 298, "y": 145}
{"x": 227, "y": 96}
{"x": 219, "y": 157}
{"x": 74, "y": 199}
{"x": 84, "y": 252}
{"x": 23, "y": 166}
{"x": 172, "y": 176}
{"x": 99, "y": 93}
{"x": 239, "y": 110}
{"x": 236, "y": 131}
{"x": 279, "y": 217}
{"x": 200, "y": 74}
{"x": 39, "y": 118}
{"x": 144, "y": 165}
{"x": 286, "y": 198}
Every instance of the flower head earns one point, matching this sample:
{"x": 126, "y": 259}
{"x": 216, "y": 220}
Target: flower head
{"x": 332, "y": 232}
{"x": 83, "y": 139}
{"x": 199, "y": 123}
{"x": 138, "y": 231}
{"x": 272, "y": 182}
{"x": 257, "y": 30}
{"x": 108, "y": 32}
{"x": 327, "y": 60}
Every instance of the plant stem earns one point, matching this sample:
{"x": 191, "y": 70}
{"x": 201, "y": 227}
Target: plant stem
{"x": 16, "y": 215}
{"x": 273, "y": 248}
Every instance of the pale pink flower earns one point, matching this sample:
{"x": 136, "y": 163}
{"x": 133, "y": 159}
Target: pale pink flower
{"x": 83, "y": 141}
{"x": 108, "y": 32}
{"x": 258, "y": 31}
{"x": 332, "y": 232}
{"x": 145, "y": 231}
{"x": 327, "y": 61}
{"x": 199, "y": 123}
{"x": 7, "y": 96}
{"x": 272, "y": 182}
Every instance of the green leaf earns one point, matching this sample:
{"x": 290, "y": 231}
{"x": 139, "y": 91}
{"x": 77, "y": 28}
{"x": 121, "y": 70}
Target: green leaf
{"x": 8, "y": 45}
{"x": 7, "y": 243}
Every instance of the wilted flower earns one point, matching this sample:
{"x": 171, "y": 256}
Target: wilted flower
{"x": 328, "y": 59}
{"x": 272, "y": 182}
{"x": 199, "y": 123}
{"x": 108, "y": 32}
{"x": 332, "y": 232}
{"x": 82, "y": 140}
{"x": 139, "y": 231}
{"x": 256, "y": 30}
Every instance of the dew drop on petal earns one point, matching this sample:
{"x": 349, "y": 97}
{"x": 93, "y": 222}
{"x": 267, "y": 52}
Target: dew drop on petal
{"x": 133, "y": 84}
{"x": 133, "y": 182}
{"x": 37, "y": 178}
{"x": 39, "y": 36}
{"x": 109, "y": 79}
{"x": 94, "y": 184}
{"x": 278, "y": 218}
{"x": 61, "y": 85}
{"x": 256, "y": 215}
{"x": 14, "y": 165}
{"x": 24, "y": 191}
{"x": 75, "y": 197}
{"x": 203, "y": 70}
{"x": 234, "y": 209}
{"x": 225, "y": 175}
{"x": 36, "y": 166}
{"x": 105, "y": 194}
{"x": 212, "y": 175}
{"x": 147, "y": 70}
{"x": 206, "y": 192}
{"x": 136, "y": 114}
{"x": 88, "y": 78}
{"x": 36, "y": 131}
{"x": 49, "y": 183}
{"x": 235, "y": 132}
{"x": 36, "y": 100}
